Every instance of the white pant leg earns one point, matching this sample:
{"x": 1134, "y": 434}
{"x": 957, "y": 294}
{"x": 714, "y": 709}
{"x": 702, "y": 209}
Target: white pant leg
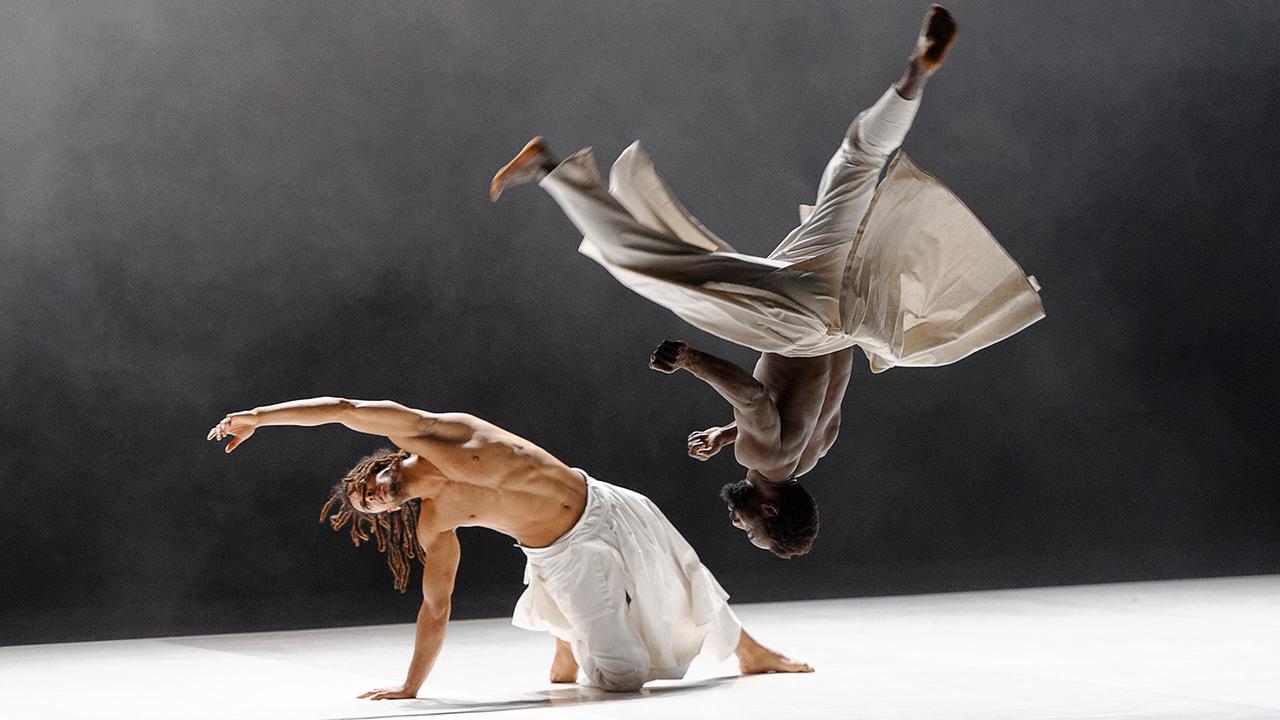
{"x": 625, "y": 242}
{"x": 884, "y": 125}
{"x": 589, "y": 587}
{"x": 850, "y": 178}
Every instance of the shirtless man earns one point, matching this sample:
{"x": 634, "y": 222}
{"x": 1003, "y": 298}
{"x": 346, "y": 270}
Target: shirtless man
{"x": 811, "y": 301}
{"x": 623, "y": 593}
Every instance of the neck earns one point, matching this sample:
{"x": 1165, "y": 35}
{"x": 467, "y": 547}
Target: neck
{"x": 421, "y": 480}
{"x": 766, "y": 486}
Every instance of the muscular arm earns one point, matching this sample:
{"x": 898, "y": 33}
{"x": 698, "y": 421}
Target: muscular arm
{"x": 375, "y": 417}
{"x": 440, "y": 567}
{"x": 756, "y": 419}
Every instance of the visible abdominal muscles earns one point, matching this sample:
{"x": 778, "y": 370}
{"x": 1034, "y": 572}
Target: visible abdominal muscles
{"x": 503, "y": 482}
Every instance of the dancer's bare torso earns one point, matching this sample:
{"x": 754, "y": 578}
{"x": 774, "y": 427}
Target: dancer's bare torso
{"x": 807, "y": 393}
{"x": 493, "y": 479}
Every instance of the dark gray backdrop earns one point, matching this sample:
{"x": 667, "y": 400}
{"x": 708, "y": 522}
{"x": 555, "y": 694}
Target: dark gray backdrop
{"x": 209, "y": 206}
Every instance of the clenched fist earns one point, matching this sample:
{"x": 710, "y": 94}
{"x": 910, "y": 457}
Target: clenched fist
{"x": 703, "y": 444}
{"x": 671, "y": 355}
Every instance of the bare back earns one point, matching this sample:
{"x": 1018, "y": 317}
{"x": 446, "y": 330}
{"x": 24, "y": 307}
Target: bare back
{"x": 489, "y": 477}
{"x": 808, "y": 393}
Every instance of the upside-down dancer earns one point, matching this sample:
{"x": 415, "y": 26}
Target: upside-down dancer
{"x": 900, "y": 268}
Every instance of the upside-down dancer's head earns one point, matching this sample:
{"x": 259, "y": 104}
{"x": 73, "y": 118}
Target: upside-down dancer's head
{"x": 782, "y": 519}
{"x": 372, "y": 500}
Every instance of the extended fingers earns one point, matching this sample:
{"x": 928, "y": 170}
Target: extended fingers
{"x": 221, "y": 430}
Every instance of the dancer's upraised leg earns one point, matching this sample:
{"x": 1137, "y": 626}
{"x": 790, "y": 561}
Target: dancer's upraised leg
{"x": 884, "y": 126}
{"x": 849, "y": 180}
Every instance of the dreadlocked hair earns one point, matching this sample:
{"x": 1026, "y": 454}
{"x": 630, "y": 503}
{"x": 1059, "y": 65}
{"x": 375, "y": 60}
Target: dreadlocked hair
{"x": 395, "y": 532}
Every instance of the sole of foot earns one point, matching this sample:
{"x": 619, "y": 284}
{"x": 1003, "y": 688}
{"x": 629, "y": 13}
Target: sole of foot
{"x": 936, "y": 36}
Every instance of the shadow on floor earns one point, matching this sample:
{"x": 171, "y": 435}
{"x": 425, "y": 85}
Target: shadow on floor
{"x": 556, "y": 697}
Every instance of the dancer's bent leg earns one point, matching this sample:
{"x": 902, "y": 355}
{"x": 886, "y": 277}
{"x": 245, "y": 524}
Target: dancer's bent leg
{"x": 623, "y": 241}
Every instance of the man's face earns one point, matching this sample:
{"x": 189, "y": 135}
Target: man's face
{"x": 378, "y": 493}
{"x": 752, "y": 526}
{"x": 745, "y": 512}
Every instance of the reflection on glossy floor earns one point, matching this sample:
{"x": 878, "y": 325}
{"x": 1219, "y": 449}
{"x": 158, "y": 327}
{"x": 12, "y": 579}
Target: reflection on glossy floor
{"x": 1185, "y": 649}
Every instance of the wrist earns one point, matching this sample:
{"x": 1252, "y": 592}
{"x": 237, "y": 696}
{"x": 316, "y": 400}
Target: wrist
{"x": 689, "y": 359}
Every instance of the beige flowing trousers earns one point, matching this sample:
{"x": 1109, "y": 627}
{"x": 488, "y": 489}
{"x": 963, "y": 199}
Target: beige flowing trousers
{"x": 899, "y": 267}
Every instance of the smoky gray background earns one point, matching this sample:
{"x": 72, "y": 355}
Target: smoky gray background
{"x": 210, "y": 206}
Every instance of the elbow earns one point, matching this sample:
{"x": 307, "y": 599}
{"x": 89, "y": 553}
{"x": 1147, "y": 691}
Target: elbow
{"x": 756, "y": 394}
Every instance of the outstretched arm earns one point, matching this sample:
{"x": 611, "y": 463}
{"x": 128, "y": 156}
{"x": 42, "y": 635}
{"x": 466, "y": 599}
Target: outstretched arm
{"x": 754, "y": 412}
{"x": 375, "y": 417}
{"x": 440, "y": 567}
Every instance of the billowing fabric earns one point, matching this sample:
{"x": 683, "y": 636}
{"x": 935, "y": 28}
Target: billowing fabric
{"x": 627, "y": 592}
{"x": 900, "y": 268}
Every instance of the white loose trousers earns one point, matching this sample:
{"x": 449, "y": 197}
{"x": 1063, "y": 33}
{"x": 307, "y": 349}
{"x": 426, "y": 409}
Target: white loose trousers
{"x": 901, "y": 268}
{"x": 627, "y": 592}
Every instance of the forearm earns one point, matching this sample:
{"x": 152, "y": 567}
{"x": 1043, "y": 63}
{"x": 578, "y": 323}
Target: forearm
{"x": 732, "y": 382}
{"x": 302, "y": 413}
{"x": 753, "y": 408}
{"x": 375, "y": 417}
{"x": 429, "y": 638}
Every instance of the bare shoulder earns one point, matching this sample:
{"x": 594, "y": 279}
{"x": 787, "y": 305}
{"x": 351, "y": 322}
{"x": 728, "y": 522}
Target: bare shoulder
{"x": 495, "y": 453}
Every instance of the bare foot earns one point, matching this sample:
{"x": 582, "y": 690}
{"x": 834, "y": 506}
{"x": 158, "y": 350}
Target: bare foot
{"x": 530, "y": 164}
{"x": 756, "y": 659}
{"x": 564, "y": 669}
{"x": 936, "y": 35}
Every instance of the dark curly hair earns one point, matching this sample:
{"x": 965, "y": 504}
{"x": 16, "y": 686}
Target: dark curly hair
{"x": 792, "y": 531}
{"x": 395, "y": 532}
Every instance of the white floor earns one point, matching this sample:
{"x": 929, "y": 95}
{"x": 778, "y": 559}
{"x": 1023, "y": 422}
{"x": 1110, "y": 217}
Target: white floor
{"x": 1187, "y": 649}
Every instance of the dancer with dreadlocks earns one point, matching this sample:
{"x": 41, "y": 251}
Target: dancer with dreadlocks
{"x": 899, "y": 268}
{"x": 625, "y": 596}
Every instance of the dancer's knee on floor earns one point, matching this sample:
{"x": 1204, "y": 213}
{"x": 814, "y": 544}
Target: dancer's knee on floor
{"x": 627, "y": 681}
{"x": 626, "y": 673}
